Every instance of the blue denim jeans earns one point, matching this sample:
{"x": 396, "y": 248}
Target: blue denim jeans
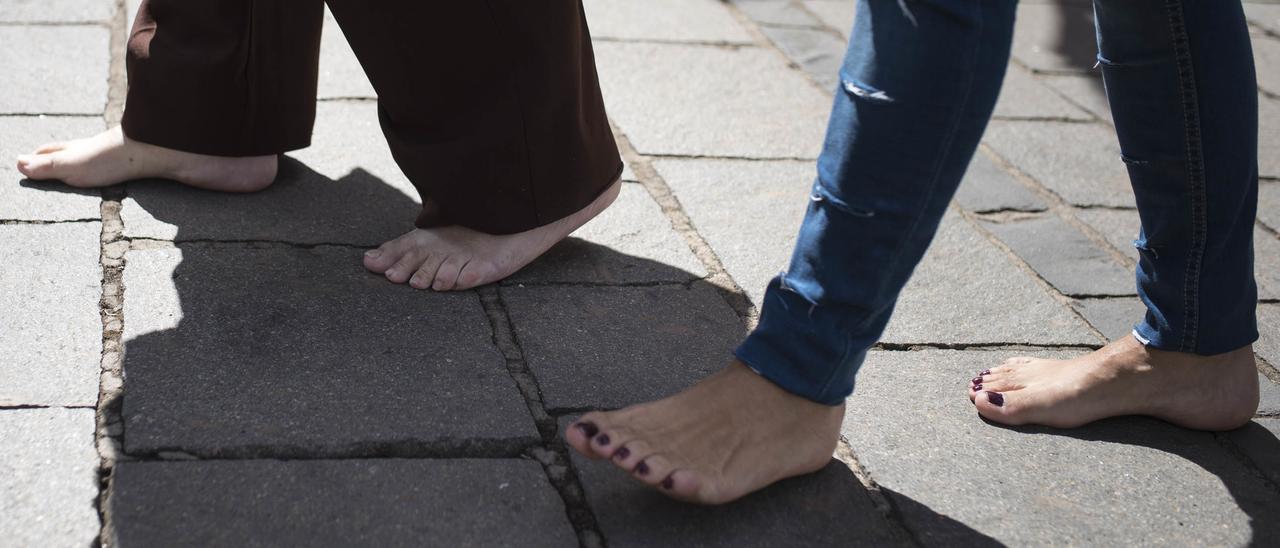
{"x": 918, "y": 85}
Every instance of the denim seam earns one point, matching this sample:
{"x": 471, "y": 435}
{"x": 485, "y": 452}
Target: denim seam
{"x": 1195, "y": 176}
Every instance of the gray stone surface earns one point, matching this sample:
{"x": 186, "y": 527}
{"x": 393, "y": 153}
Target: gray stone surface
{"x": 1055, "y": 37}
{"x": 817, "y": 51}
{"x": 1084, "y": 90}
{"x": 345, "y": 189}
{"x": 749, "y": 212}
{"x": 1269, "y": 204}
{"x": 711, "y": 101}
{"x": 1064, "y": 257}
{"x": 26, "y": 200}
{"x": 1260, "y": 442}
{"x": 56, "y": 11}
{"x": 1268, "y": 345}
{"x": 706, "y": 21}
{"x": 384, "y": 502}
{"x": 827, "y": 508}
{"x": 1265, "y": 15}
{"x": 53, "y": 69}
{"x": 50, "y": 329}
{"x": 631, "y": 242}
{"x": 242, "y": 350}
{"x": 777, "y": 12}
{"x": 1127, "y": 481}
{"x": 1268, "y": 397}
{"x": 1268, "y": 140}
{"x": 1266, "y": 55}
{"x": 1079, "y": 162}
{"x": 608, "y": 347}
{"x": 1115, "y": 318}
{"x": 963, "y": 290}
{"x": 987, "y": 187}
{"x": 340, "y": 73}
{"x": 835, "y": 14}
{"x": 1024, "y": 96}
{"x": 1266, "y": 263}
{"x": 48, "y": 478}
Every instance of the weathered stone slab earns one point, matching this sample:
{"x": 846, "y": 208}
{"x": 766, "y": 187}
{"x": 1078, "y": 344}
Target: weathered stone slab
{"x": 54, "y": 69}
{"x": 1266, "y": 16}
{"x": 1115, "y": 318}
{"x": 1269, "y": 139}
{"x": 963, "y": 290}
{"x": 384, "y": 502}
{"x": 25, "y": 200}
{"x": 777, "y": 12}
{"x": 56, "y": 11}
{"x": 1268, "y": 397}
{"x": 341, "y": 75}
{"x": 1084, "y": 90}
{"x": 706, "y": 21}
{"x": 827, "y": 508}
{"x": 345, "y": 189}
{"x": 1023, "y": 96}
{"x": 1259, "y": 441}
{"x": 835, "y": 14}
{"x": 1079, "y": 162}
{"x": 608, "y": 347}
{"x": 50, "y": 328}
{"x": 48, "y": 477}
{"x": 1269, "y": 204}
{"x": 1266, "y": 57}
{"x": 1056, "y": 37}
{"x": 817, "y": 51}
{"x": 1064, "y": 257}
{"x": 1109, "y": 482}
{"x": 711, "y": 101}
{"x": 1268, "y": 345}
{"x": 987, "y": 187}
{"x": 242, "y": 350}
{"x": 631, "y": 242}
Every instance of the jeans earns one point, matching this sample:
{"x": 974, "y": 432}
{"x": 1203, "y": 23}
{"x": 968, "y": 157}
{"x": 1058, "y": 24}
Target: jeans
{"x": 918, "y": 85}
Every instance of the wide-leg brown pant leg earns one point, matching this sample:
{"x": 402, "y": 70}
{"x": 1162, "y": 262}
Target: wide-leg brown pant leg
{"x": 492, "y": 108}
{"x": 224, "y": 77}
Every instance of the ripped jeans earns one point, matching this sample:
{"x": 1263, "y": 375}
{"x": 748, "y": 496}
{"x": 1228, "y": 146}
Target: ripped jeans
{"x": 919, "y": 82}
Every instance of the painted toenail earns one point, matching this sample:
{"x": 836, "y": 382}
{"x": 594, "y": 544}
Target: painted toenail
{"x": 996, "y": 398}
{"x": 602, "y": 439}
{"x": 985, "y": 372}
{"x": 668, "y": 483}
{"x": 372, "y": 253}
{"x": 976, "y": 380}
{"x": 642, "y": 468}
{"x": 622, "y": 454}
{"x": 977, "y": 387}
{"x": 589, "y": 429}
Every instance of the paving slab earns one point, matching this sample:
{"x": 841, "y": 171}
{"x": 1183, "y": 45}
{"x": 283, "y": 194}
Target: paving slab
{"x": 1268, "y": 397}
{"x": 48, "y": 478}
{"x": 1269, "y": 204}
{"x": 1114, "y": 317}
{"x": 1055, "y": 37}
{"x": 1120, "y": 227}
{"x": 345, "y": 189}
{"x": 1025, "y": 96}
{"x": 987, "y": 187}
{"x": 1260, "y": 442}
{"x": 1065, "y": 257}
{"x": 1268, "y": 344}
{"x": 837, "y": 15}
{"x": 827, "y": 508}
{"x": 341, "y": 75}
{"x": 631, "y": 242}
{"x": 609, "y": 347}
{"x": 25, "y": 200}
{"x": 384, "y": 502}
{"x": 50, "y": 328}
{"x": 1268, "y": 140}
{"x": 54, "y": 69}
{"x": 963, "y": 290}
{"x": 711, "y": 101}
{"x": 705, "y": 21}
{"x": 1083, "y": 89}
{"x": 56, "y": 11}
{"x": 1105, "y": 483}
{"x": 281, "y": 351}
{"x": 817, "y": 51}
{"x": 777, "y": 12}
{"x": 1264, "y": 15}
{"x": 1079, "y": 162}
{"x": 1266, "y": 55}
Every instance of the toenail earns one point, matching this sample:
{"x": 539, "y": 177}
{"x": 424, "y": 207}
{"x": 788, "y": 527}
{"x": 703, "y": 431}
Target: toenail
{"x": 622, "y": 453}
{"x": 372, "y": 253}
{"x": 642, "y": 468}
{"x": 976, "y": 380}
{"x": 668, "y": 483}
{"x": 602, "y": 439}
{"x": 977, "y": 387}
{"x": 996, "y": 398}
{"x": 588, "y": 428}
{"x": 985, "y": 372}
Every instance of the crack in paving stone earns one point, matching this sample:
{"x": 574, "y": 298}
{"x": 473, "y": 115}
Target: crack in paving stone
{"x": 704, "y": 43}
{"x": 42, "y": 222}
{"x": 38, "y": 406}
{"x": 1224, "y": 440}
{"x": 844, "y": 453}
{"x": 441, "y": 448}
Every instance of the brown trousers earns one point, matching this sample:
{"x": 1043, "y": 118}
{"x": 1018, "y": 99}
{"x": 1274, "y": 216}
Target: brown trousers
{"x": 492, "y": 108}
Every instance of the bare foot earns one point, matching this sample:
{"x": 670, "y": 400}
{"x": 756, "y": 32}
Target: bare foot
{"x": 110, "y": 157}
{"x": 455, "y": 258}
{"x": 1123, "y": 378}
{"x": 727, "y": 436}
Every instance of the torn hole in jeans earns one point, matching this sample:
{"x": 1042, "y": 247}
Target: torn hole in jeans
{"x": 863, "y": 91}
{"x": 1146, "y": 249}
{"x": 820, "y": 196}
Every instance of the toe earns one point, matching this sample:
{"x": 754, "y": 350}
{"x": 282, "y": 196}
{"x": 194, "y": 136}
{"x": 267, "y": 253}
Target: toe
{"x": 630, "y": 455}
{"x": 447, "y": 276}
{"x": 475, "y": 273}
{"x": 380, "y": 259}
{"x": 426, "y": 273}
{"x": 686, "y": 485}
{"x": 995, "y": 406}
{"x": 37, "y": 166}
{"x": 653, "y": 470}
{"x": 580, "y": 433}
{"x": 406, "y": 265}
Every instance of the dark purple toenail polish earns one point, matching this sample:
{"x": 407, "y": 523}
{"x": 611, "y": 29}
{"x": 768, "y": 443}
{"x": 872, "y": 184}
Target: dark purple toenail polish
{"x": 976, "y": 380}
{"x": 602, "y": 439}
{"x": 996, "y": 398}
{"x": 977, "y": 388}
{"x": 985, "y": 372}
{"x": 622, "y": 453}
{"x": 642, "y": 468}
{"x": 668, "y": 483}
{"x": 588, "y": 428}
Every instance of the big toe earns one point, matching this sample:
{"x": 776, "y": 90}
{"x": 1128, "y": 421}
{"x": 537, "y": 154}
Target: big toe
{"x": 995, "y": 406}
{"x": 580, "y": 435}
{"x": 39, "y": 166}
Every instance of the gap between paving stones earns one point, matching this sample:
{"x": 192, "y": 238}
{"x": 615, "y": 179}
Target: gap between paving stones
{"x": 702, "y": 43}
{"x": 39, "y": 222}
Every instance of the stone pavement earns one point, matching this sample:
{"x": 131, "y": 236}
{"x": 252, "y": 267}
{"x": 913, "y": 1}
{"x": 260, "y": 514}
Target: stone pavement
{"x": 181, "y": 367}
